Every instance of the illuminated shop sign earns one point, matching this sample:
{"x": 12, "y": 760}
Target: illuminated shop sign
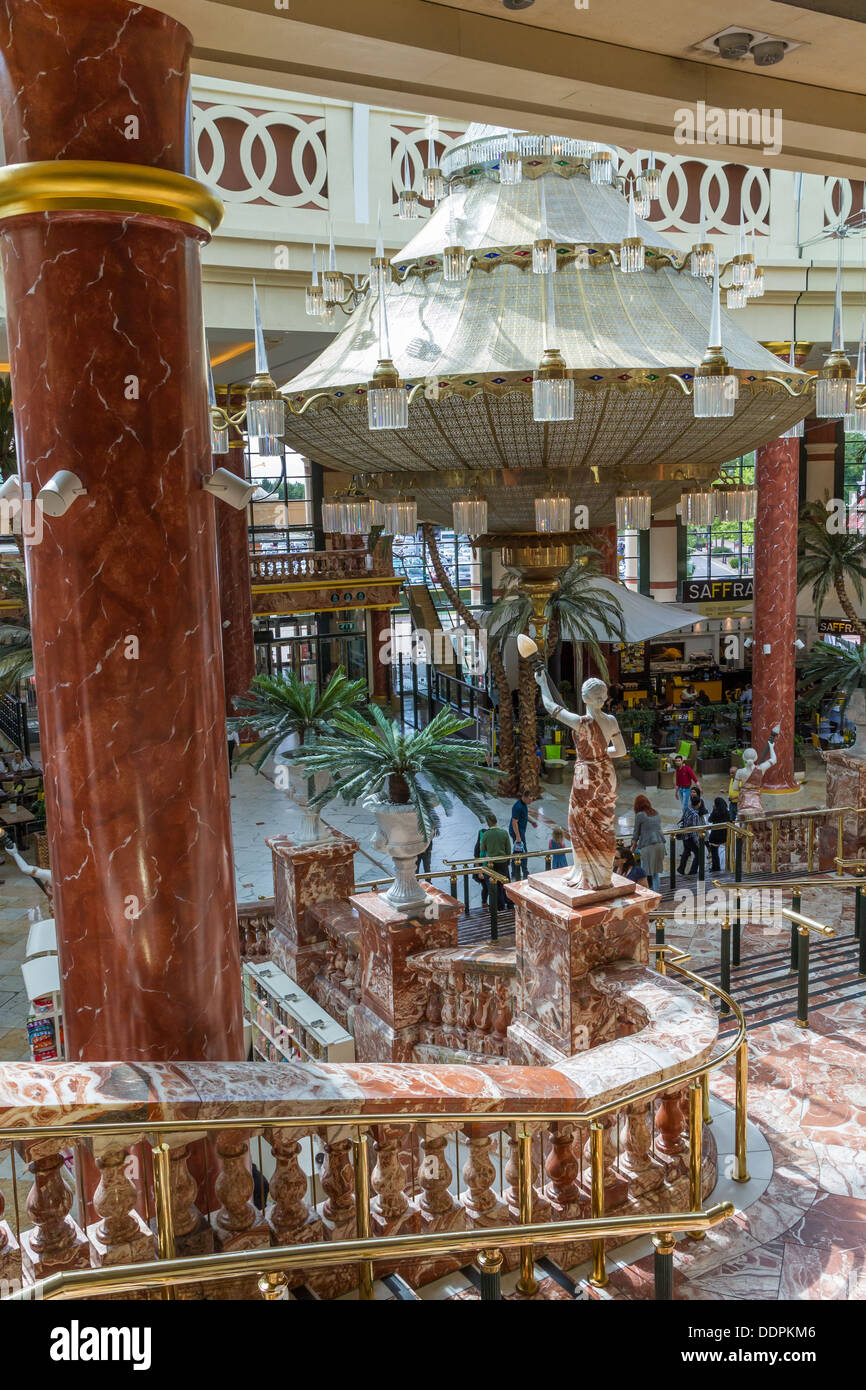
{"x": 737, "y": 590}
{"x": 840, "y": 627}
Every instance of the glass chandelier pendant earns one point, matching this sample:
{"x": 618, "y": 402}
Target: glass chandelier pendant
{"x": 377, "y": 512}
{"x": 632, "y": 253}
{"x": 835, "y": 387}
{"x": 219, "y": 433}
{"x": 755, "y": 287}
{"x": 736, "y": 503}
{"x": 737, "y": 297}
{"x": 552, "y": 389}
{"x": 703, "y": 260}
{"x": 331, "y": 513}
{"x": 314, "y": 299}
{"x": 634, "y": 511}
{"x": 743, "y": 264}
{"x": 401, "y": 517}
{"x": 855, "y": 421}
{"x": 455, "y": 263}
{"x": 650, "y": 180}
{"x": 470, "y": 516}
{"x": 796, "y": 431}
{"x": 266, "y": 409}
{"x": 510, "y": 167}
{"x": 716, "y": 389}
{"x": 600, "y": 167}
{"x": 332, "y": 279}
{"x": 354, "y": 515}
{"x": 387, "y": 400}
{"x": 544, "y": 247}
{"x": 408, "y": 202}
{"x": 642, "y": 200}
{"x": 552, "y": 514}
{"x": 698, "y": 507}
{"x": 434, "y": 185}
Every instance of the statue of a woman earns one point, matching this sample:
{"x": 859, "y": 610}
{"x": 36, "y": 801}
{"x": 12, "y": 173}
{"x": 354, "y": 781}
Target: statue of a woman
{"x": 592, "y": 804}
{"x": 749, "y": 778}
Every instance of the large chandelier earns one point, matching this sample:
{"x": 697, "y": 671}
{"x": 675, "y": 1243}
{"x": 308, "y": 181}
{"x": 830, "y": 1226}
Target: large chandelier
{"x": 634, "y": 511}
{"x": 354, "y": 515}
{"x": 552, "y": 514}
{"x": 401, "y": 516}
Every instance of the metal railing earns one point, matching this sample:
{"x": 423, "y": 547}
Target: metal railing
{"x": 169, "y": 1270}
{"x": 803, "y": 926}
{"x": 452, "y": 874}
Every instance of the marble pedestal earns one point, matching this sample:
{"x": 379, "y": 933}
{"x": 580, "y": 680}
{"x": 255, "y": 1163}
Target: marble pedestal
{"x": 305, "y": 875}
{"x": 558, "y": 1012}
{"x": 393, "y": 999}
{"x": 846, "y": 786}
{"x": 38, "y": 1264}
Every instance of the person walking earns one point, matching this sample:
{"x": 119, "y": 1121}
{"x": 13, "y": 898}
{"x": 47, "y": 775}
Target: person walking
{"x": 718, "y": 817}
{"x": 733, "y": 795}
{"x": 690, "y": 845}
{"x": 647, "y": 839}
{"x": 685, "y": 778}
{"x": 234, "y": 741}
{"x": 520, "y": 818}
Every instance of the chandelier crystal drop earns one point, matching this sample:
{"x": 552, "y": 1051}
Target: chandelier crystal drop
{"x": 702, "y": 262}
{"x": 470, "y": 516}
{"x": 650, "y": 180}
{"x": 544, "y": 247}
{"x": 716, "y": 389}
{"x": 266, "y": 408}
{"x": 743, "y": 264}
{"x": 331, "y": 514}
{"x": 377, "y": 512}
{"x": 332, "y": 279}
{"x": 387, "y": 400}
{"x": 314, "y": 298}
{"x": 634, "y": 511}
{"x": 642, "y": 200}
{"x": 698, "y": 507}
{"x": 354, "y": 516}
{"x": 835, "y": 388}
{"x": 455, "y": 263}
{"x": 737, "y": 297}
{"x": 552, "y": 514}
{"x": 510, "y": 162}
{"x": 601, "y": 167}
{"x": 408, "y": 202}
{"x": 855, "y": 420}
{"x": 401, "y": 516}
{"x": 632, "y": 252}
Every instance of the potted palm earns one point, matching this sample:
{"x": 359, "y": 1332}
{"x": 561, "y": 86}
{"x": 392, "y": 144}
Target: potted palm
{"x": 839, "y": 671}
{"x": 402, "y": 778}
{"x": 831, "y": 557}
{"x": 645, "y": 765}
{"x": 284, "y": 707}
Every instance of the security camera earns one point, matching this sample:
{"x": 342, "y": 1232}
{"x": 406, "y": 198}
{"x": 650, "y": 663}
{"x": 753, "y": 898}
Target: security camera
{"x": 798, "y": 644}
{"x": 229, "y": 487}
{"x": 733, "y": 46}
{"x": 517, "y": 4}
{"x": 11, "y": 489}
{"x": 58, "y": 494}
{"x": 767, "y": 54}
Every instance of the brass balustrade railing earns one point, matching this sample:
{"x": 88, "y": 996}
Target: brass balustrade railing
{"x": 804, "y": 926}
{"x": 168, "y": 1270}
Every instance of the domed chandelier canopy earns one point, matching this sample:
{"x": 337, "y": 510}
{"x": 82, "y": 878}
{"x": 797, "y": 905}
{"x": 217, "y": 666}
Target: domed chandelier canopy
{"x": 533, "y": 366}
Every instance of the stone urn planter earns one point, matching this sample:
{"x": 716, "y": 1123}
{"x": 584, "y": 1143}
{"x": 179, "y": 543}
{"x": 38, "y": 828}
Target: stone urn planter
{"x": 398, "y": 834}
{"x": 301, "y": 787}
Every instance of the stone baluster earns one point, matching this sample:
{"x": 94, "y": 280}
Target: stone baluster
{"x": 193, "y": 1235}
{"x": 434, "y": 1176}
{"x": 540, "y": 1204}
{"x": 390, "y": 1209}
{"x": 238, "y": 1225}
{"x": 669, "y": 1124}
{"x": 479, "y": 1200}
{"x": 502, "y": 1011}
{"x": 562, "y": 1168}
{"x": 338, "y": 1183}
{"x": 352, "y": 979}
{"x": 449, "y": 1006}
{"x": 640, "y": 1166}
{"x": 615, "y": 1186}
{"x": 433, "y": 1004}
{"x": 10, "y": 1254}
{"x": 121, "y": 1236}
{"x": 55, "y": 1241}
{"x": 289, "y": 1217}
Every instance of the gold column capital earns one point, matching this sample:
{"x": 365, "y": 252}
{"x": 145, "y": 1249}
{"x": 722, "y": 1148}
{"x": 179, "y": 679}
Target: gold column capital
{"x": 89, "y": 185}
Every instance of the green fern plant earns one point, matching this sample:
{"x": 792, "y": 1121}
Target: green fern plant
{"x": 422, "y": 768}
{"x": 833, "y": 671}
{"x": 276, "y": 707}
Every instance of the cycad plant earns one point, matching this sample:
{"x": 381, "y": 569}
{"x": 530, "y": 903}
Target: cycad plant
{"x": 575, "y": 611}
{"x": 277, "y": 707}
{"x": 16, "y": 644}
{"x": 831, "y": 558}
{"x": 422, "y": 768}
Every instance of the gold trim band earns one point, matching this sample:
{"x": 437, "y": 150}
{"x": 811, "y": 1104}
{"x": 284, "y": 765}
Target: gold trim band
{"x": 79, "y": 185}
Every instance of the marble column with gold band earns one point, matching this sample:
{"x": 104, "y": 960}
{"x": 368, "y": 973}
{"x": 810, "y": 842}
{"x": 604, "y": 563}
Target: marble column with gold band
{"x": 100, "y": 232}
{"x": 777, "y": 475}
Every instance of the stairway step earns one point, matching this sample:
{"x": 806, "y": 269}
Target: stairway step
{"x": 402, "y": 1291}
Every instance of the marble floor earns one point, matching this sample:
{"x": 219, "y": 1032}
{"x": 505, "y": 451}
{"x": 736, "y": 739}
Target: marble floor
{"x": 800, "y": 1227}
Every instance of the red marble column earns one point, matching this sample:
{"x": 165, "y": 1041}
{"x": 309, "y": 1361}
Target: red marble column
{"x": 775, "y": 605}
{"x": 105, "y": 341}
{"x": 233, "y": 562}
{"x": 380, "y": 626}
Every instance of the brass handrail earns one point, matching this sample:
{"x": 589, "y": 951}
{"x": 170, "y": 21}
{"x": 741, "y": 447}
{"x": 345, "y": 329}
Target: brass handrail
{"x": 193, "y": 1268}
{"x": 437, "y": 873}
{"x": 807, "y": 923}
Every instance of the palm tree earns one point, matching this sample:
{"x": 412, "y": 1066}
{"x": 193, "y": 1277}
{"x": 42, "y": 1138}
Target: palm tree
{"x": 505, "y": 741}
{"x": 831, "y": 558}
{"x": 276, "y": 707}
{"x": 16, "y": 644}
{"x": 576, "y": 609}
{"x": 425, "y": 767}
{"x": 834, "y": 671}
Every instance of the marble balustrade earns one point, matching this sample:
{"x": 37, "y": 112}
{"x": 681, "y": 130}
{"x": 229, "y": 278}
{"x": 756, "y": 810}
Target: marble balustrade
{"x": 255, "y": 924}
